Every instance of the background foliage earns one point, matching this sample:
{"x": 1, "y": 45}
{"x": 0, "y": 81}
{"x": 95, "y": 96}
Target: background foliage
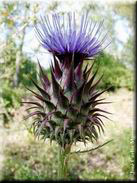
{"x": 115, "y": 74}
{"x": 17, "y": 64}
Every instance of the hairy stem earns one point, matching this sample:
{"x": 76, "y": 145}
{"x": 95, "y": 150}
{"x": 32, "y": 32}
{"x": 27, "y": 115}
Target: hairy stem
{"x": 63, "y": 161}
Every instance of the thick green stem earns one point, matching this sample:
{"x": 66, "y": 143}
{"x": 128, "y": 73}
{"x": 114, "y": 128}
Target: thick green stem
{"x": 63, "y": 162}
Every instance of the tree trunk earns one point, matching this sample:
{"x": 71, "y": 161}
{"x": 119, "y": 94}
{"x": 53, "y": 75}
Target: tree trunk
{"x": 16, "y": 76}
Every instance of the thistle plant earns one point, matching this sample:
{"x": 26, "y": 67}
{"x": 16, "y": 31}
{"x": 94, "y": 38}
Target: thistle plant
{"x": 66, "y": 107}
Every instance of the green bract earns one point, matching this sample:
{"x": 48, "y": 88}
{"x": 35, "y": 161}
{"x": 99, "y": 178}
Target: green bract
{"x": 66, "y": 109}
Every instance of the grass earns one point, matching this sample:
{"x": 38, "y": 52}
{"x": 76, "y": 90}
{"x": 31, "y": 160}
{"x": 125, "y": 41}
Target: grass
{"x": 36, "y": 160}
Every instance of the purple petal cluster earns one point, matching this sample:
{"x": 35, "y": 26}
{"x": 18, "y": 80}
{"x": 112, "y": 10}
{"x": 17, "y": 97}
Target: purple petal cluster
{"x": 60, "y": 35}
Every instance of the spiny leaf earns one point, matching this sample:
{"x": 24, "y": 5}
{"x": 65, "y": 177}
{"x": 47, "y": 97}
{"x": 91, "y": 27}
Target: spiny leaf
{"x": 97, "y": 94}
{"x": 58, "y": 118}
{"x": 86, "y": 93}
{"x": 71, "y": 135}
{"x": 57, "y": 70}
{"x": 69, "y": 81}
{"x": 56, "y": 87}
{"x": 51, "y": 137}
{"x": 85, "y": 108}
{"x": 34, "y": 103}
{"x": 49, "y": 125}
{"x": 57, "y": 130}
{"x": 35, "y": 113}
{"x": 89, "y": 134}
{"x": 44, "y": 79}
{"x": 58, "y": 114}
{"x": 36, "y": 95}
{"x": 34, "y": 107}
{"x": 66, "y": 64}
{"x": 81, "y": 132}
{"x": 94, "y": 132}
{"x": 52, "y": 68}
{"x": 96, "y": 121}
{"x": 77, "y": 99}
{"x": 93, "y": 136}
{"x": 80, "y": 129}
{"x": 78, "y": 72}
{"x": 43, "y": 92}
{"x": 99, "y": 110}
{"x": 72, "y": 113}
{"x": 100, "y": 120}
{"x": 49, "y": 105}
{"x": 66, "y": 121}
{"x": 38, "y": 132}
{"x": 63, "y": 101}
{"x": 81, "y": 118}
{"x": 85, "y": 69}
{"x": 87, "y": 73}
{"x": 98, "y": 103}
{"x": 95, "y": 84}
{"x": 98, "y": 114}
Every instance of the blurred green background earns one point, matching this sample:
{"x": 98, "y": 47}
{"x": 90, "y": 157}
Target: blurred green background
{"x": 26, "y": 158}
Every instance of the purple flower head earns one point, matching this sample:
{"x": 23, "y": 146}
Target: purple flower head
{"x": 62, "y": 37}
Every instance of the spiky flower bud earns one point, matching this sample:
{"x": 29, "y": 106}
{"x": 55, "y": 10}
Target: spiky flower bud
{"x": 67, "y": 109}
